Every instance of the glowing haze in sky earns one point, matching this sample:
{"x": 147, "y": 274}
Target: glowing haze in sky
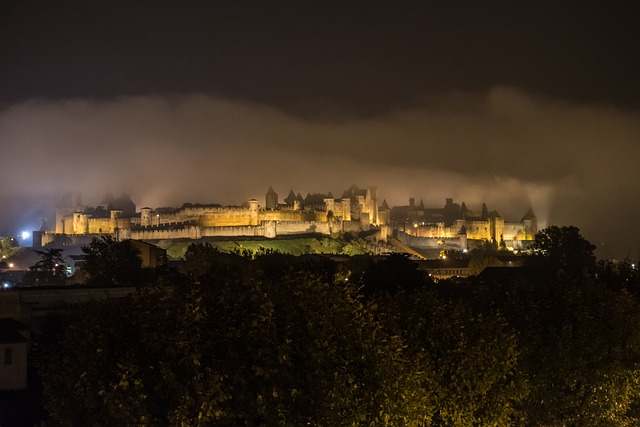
{"x": 510, "y": 104}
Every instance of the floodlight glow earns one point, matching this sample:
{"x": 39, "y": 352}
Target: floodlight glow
{"x": 25, "y": 235}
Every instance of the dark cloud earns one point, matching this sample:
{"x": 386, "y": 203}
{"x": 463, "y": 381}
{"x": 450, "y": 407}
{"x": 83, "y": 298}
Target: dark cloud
{"x": 573, "y": 163}
{"x": 362, "y": 58}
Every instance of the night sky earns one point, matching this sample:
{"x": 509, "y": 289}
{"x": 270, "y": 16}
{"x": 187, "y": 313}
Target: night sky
{"x": 511, "y": 103}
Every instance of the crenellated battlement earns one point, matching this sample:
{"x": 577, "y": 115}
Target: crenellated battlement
{"x": 357, "y": 210}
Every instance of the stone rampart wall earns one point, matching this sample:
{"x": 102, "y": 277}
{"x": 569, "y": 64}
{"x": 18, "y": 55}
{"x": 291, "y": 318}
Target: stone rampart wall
{"x": 170, "y": 219}
{"x": 188, "y": 232}
{"x": 224, "y": 219}
{"x": 106, "y": 225}
{"x": 303, "y": 227}
{"x": 433, "y": 231}
{"x": 284, "y": 215}
{"x": 513, "y": 231}
{"x": 201, "y": 210}
{"x": 49, "y": 238}
{"x": 457, "y": 243}
{"x": 478, "y": 230}
{"x": 219, "y": 222}
{"x": 257, "y": 231}
{"x": 351, "y": 226}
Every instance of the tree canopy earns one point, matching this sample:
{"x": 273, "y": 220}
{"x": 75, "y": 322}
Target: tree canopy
{"x": 272, "y": 339}
{"x": 49, "y": 270}
{"x": 8, "y": 245}
{"x": 565, "y": 249}
{"x": 254, "y": 350}
{"x": 109, "y": 262}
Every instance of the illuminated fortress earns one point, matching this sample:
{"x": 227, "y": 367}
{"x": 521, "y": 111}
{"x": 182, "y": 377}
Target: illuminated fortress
{"x": 453, "y": 226}
{"x": 355, "y": 211}
{"x": 456, "y": 227}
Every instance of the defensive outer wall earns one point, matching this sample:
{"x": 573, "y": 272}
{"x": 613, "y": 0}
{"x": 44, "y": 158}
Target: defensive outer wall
{"x": 268, "y": 229}
{"x": 451, "y": 227}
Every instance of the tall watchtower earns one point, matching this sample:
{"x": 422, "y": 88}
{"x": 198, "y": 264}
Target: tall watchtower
{"x": 530, "y": 224}
{"x": 271, "y": 199}
{"x": 253, "y": 211}
{"x": 145, "y": 217}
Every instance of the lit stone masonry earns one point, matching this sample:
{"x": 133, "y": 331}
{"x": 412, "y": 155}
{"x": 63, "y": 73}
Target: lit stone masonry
{"x": 451, "y": 227}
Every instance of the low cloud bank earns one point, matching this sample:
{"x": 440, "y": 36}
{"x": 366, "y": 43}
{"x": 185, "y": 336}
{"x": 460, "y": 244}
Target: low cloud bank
{"x": 574, "y": 164}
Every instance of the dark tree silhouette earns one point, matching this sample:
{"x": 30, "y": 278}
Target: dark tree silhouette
{"x": 50, "y": 270}
{"x": 296, "y": 350}
{"x": 109, "y": 262}
{"x": 396, "y": 272}
{"x": 566, "y": 250}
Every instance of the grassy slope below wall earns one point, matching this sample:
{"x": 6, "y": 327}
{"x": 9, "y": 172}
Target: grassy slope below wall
{"x": 294, "y": 246}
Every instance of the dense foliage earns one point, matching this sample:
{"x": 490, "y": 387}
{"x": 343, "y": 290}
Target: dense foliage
{"x": 262, "y": 338}
{"x": 111, "y": 262}
{"x": 249, "y": 347}
{"x": 8, "y": 246}
{"x": 565, "y": 250}
{"x": 49, "y": 270}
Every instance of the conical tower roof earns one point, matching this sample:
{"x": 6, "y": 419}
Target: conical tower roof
{"x": 529, "y": 215}
{"x": 290, "y": 198}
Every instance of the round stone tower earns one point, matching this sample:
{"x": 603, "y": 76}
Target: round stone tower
{"x": 253, "y": 211}
{"x": 115, "y": 215}
{"x": 80, "y": 223}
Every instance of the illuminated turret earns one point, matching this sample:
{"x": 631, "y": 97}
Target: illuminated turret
{"x": 115, "y": 216}
{"x": 69, "y": 203}
{"x": 530, "y": 224}
{"x": 80, "y": 223}
{"x": 145, "y": 217}
{"x": 329, "y": 205}
{"x": 346, "y": 209}
{"x": 253, "y": 211}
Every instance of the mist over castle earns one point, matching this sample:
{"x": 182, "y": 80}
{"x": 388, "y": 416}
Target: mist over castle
{"x": 453, "y": 226}
{"x": 202, "y": 149}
